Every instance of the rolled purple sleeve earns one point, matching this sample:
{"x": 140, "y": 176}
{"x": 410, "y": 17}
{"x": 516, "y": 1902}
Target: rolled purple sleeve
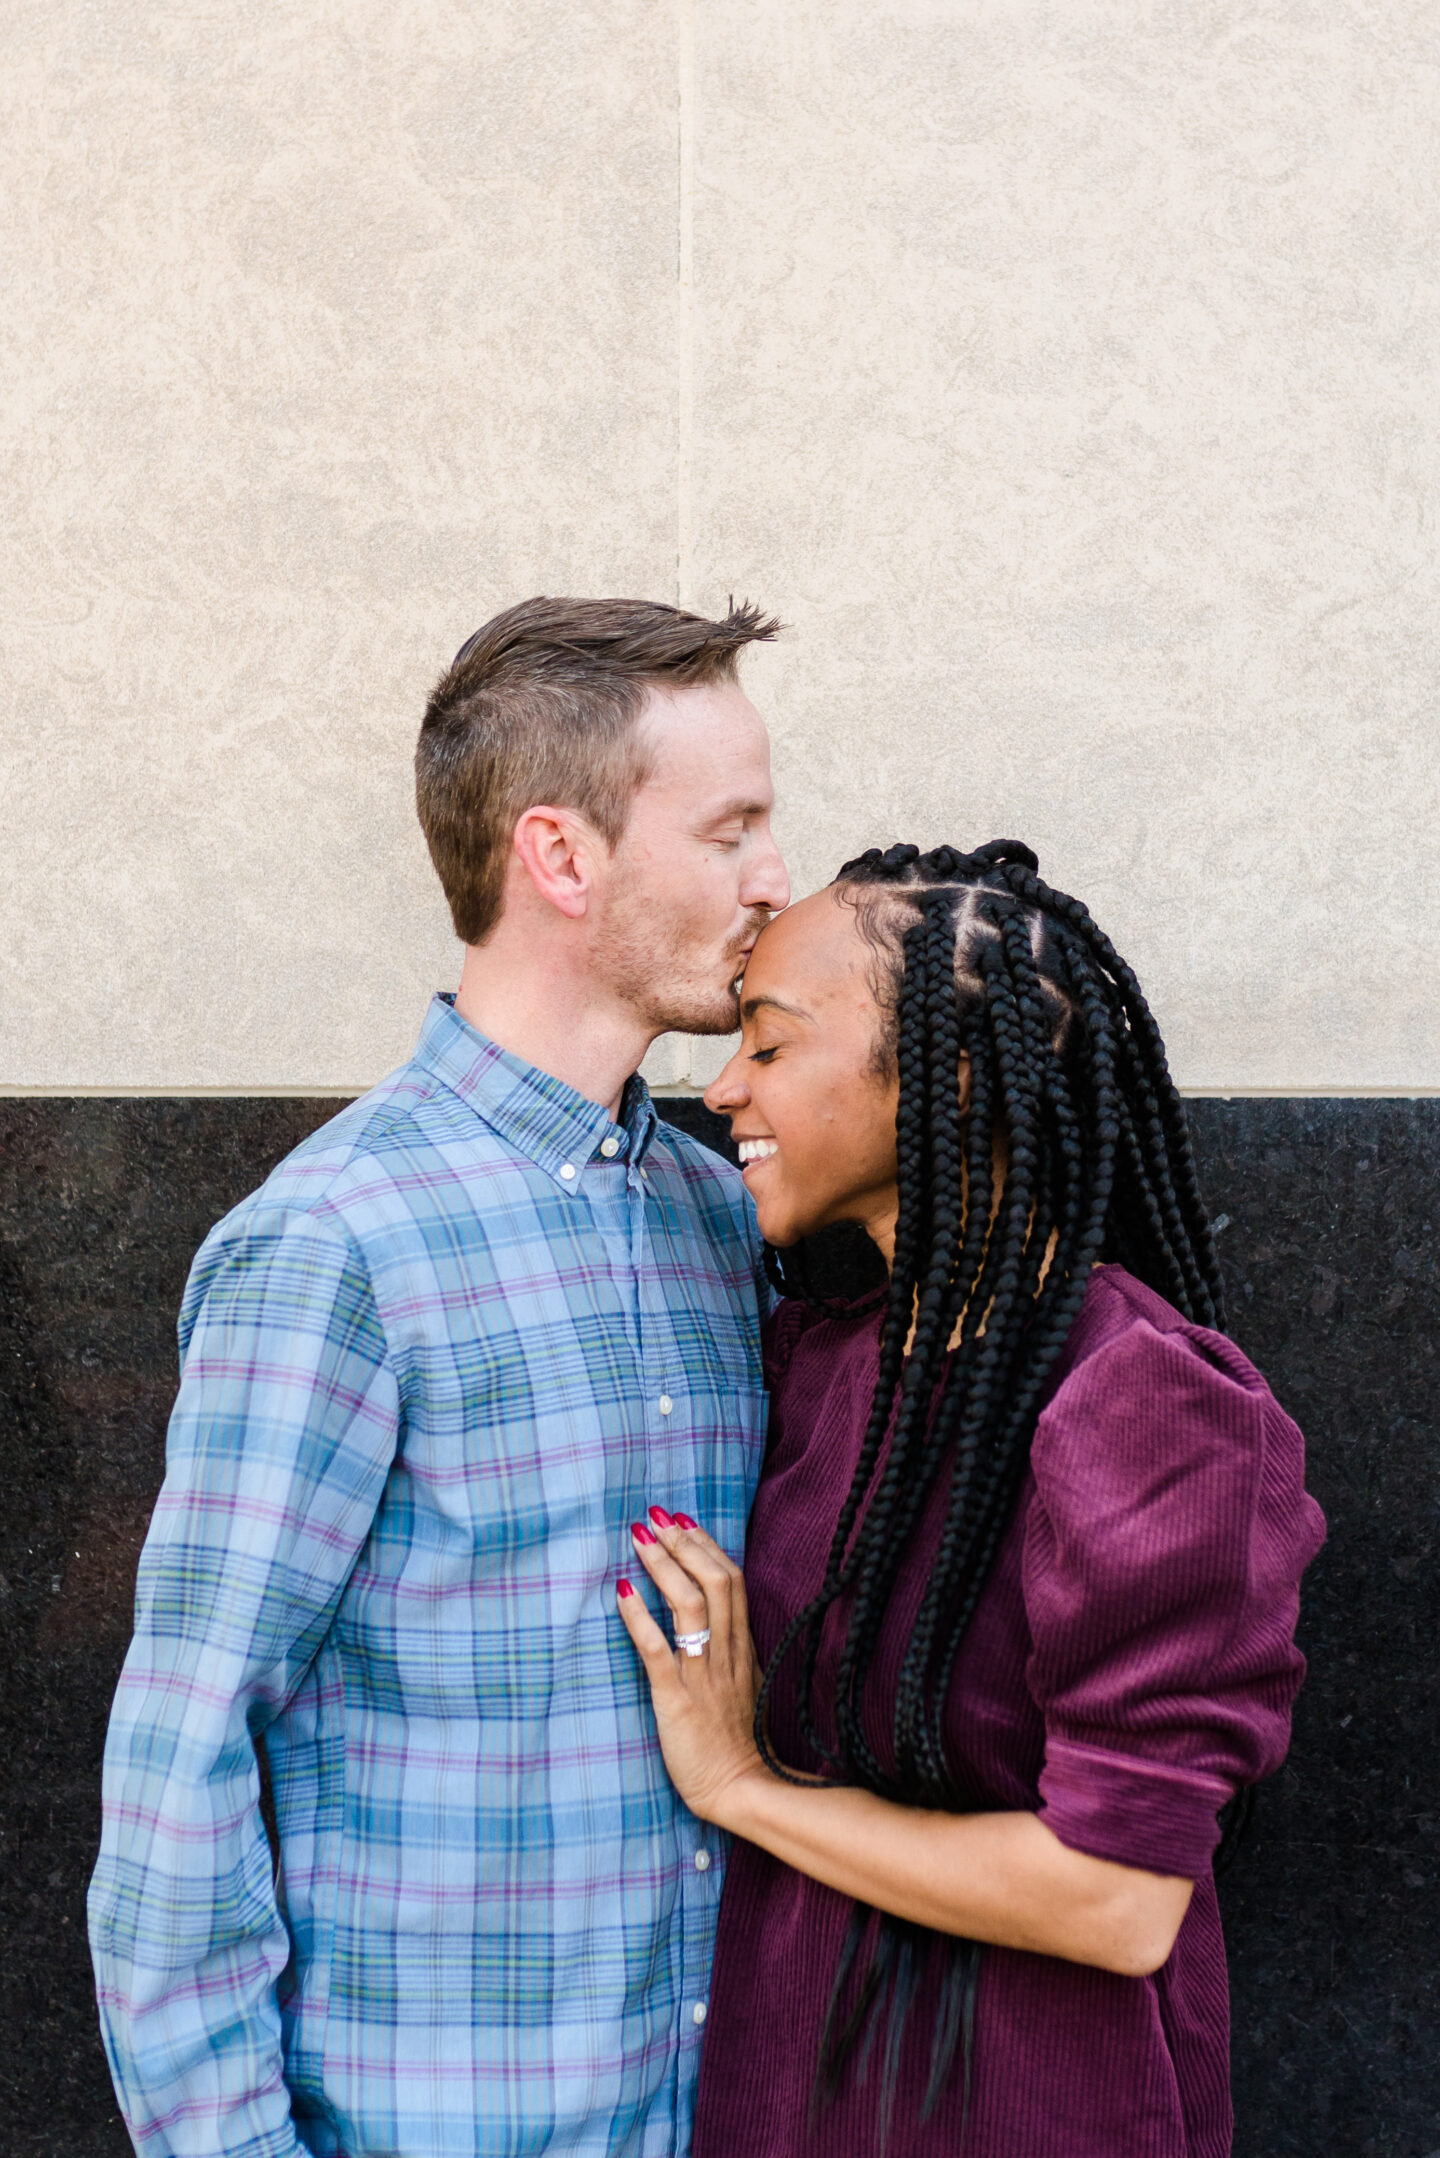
{"x": 1161, "y": 1569}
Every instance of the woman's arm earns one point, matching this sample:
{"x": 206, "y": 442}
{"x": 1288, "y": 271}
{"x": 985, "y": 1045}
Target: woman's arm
{"x": 996, "y": 1877}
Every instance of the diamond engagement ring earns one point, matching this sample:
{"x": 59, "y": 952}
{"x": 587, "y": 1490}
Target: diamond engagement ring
{"x": 693, "y": 1643}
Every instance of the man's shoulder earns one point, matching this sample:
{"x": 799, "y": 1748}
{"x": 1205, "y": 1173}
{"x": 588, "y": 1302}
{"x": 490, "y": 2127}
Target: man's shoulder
{"x": 377, "y": 1172}
{"x": 370, "y": 1161}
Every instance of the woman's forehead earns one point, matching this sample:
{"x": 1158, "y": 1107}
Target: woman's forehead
{"x": 814, "y": 946}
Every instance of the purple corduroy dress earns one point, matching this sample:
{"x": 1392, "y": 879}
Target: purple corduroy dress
{"x": 1130, "y": 1665}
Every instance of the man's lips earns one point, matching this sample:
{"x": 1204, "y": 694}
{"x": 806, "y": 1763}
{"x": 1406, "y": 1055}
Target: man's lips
{"x": 736, "y": 965}
{"x": 750, "y": 935}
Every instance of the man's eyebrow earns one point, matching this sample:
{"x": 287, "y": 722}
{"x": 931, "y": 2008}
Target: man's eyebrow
{"x": 740, "y": 807}
{"x": 750, "y": 1005}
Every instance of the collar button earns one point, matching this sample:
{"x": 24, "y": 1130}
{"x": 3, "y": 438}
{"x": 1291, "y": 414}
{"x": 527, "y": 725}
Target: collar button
{"x": 567, "y": 1170}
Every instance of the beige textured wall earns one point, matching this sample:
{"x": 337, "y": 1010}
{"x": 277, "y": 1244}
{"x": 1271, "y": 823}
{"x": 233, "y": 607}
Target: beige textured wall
{"x": 1066, "y": 376}
{"x": 328, "y": 326}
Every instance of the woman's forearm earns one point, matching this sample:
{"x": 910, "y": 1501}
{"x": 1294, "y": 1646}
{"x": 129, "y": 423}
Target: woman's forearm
{"x": 1003, "y": 1878}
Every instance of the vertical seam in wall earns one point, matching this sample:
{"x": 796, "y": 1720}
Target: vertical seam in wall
{"x": 685, "y": 303}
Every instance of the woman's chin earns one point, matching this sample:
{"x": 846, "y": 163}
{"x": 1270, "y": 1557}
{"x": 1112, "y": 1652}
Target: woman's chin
{"x": 785, "y": 1218}
{"x": 779, "y": 1225}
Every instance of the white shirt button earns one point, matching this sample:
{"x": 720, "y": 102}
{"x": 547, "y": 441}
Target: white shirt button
{"x": 609, "y": 1148}
{"x": 702, "y": 1861}
{"x": 567, "y": 1170}
{"x": 665, "y": 1404}
{"x": 698, "y": 2012}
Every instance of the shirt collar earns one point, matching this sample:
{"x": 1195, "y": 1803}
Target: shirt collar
{"x": 538, "y": 1114}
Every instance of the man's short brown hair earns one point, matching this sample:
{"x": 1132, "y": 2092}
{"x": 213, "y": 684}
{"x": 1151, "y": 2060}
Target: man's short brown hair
{"x": 540, "y": 706}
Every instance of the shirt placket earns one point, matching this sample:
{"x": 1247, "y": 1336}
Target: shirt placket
{"x": 695, "y": 1841}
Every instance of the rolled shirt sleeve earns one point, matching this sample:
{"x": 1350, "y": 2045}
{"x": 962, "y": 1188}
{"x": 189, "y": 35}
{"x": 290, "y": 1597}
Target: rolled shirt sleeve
{"x": 279, "y": 1446}
{"x": 1161, "y": 1569}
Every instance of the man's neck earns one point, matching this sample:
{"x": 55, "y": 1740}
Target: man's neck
{"x": 545, "y": 1016}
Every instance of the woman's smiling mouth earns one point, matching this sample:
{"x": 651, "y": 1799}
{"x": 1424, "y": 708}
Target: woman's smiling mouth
{"x": 753, "y": 1150}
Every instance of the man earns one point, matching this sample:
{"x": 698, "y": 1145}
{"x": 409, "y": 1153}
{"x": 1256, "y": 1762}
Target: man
{"x": 432, "y": 1371}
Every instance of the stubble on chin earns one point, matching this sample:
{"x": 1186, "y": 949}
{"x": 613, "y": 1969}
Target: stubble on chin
{"x": 668, "y": 982}
{"x": 679, "y": 1000}
{"x": 707, "y": 1010}
{"x": 717, "y": 1014}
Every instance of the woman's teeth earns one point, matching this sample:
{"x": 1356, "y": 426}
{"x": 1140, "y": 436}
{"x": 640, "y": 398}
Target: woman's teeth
{"x": 756, "y": 1150}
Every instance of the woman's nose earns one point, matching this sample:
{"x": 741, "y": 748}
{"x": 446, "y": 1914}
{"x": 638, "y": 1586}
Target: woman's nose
{"x": 728, "y": 1092}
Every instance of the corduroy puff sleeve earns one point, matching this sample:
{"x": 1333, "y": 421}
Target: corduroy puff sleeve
{"x": 1162, "y": 1563}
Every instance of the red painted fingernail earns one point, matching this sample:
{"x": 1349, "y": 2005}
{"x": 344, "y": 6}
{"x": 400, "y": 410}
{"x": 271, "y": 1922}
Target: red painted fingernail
{"x": 640, "y": 1533}
{"x": 683, "y": 1521}
{"x": 623, "y": 1589}
{"x": 658, "y": 1513}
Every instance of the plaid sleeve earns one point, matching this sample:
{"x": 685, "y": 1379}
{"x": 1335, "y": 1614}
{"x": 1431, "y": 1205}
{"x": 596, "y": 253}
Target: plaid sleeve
{"x": 279, "y": 1446}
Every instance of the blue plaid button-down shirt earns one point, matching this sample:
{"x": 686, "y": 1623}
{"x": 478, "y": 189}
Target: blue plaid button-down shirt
{"x": 431, "y": 1372}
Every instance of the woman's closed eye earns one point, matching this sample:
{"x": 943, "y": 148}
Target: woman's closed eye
{"x": 762, "y": 1056}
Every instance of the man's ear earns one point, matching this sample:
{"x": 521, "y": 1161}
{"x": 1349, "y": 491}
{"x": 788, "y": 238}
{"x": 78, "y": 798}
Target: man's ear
{"x": 560, "y": 852}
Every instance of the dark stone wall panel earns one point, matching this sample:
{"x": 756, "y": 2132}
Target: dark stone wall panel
{"x": 102, "y": 1206}
{"x": 1332, "y": 1911}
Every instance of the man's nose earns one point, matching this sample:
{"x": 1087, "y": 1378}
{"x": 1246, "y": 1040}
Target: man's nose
{"x": 767, "y": 883}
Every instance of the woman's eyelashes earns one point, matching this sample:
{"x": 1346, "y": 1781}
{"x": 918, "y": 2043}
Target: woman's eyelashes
{"x": 761, "y": 1056}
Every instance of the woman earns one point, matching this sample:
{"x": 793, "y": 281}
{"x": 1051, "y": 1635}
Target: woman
{"x": 1023, "y": 1564}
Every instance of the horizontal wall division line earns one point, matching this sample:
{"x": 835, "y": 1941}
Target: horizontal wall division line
{"x": 186, "y": 1093}
{"x": 1211, "y": 1093}
{"x": 309, "y": 1092}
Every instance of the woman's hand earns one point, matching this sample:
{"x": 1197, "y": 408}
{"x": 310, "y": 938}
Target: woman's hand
{"x": 999, "y": 1877}
{"x": 705, "y": 1704}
